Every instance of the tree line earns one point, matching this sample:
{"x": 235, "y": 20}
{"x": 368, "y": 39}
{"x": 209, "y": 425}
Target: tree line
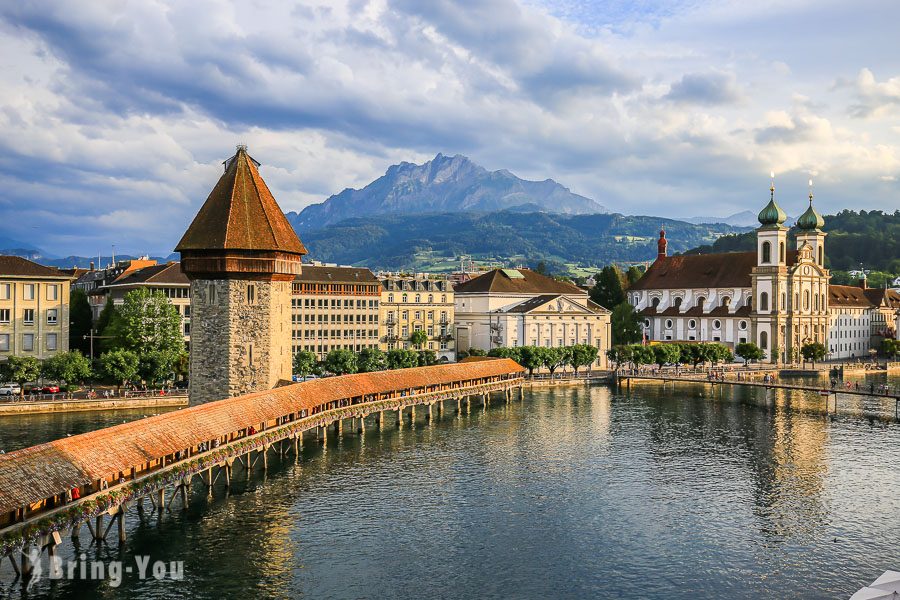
{"x": 549, "y": 357}
{"x": 343, "y": 361}
{"x": 669, "y": 354}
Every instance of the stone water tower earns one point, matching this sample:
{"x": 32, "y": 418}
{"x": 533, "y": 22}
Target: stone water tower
{"x": 241, "y": 256}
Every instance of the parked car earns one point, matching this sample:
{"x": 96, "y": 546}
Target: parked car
{"x": 10, "y": 389}
{"x": 50, "y": 388}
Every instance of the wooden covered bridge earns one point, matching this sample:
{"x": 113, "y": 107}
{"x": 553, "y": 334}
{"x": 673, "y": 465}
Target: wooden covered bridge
{"x": 54, "y": 489}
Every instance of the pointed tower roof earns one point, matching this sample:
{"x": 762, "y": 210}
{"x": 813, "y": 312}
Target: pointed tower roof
{"x": 241, "y": 214}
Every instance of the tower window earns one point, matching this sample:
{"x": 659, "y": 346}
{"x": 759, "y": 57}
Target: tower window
{"x": 766, "y": 252}
{"x": 212, "y": 293}
{"x": 764, "y": 340}
{"x": 251, "y": 294}
{"x": 781, "y": 252}
{"x": 764, "y": 301}
{"x": 821, "y": 256}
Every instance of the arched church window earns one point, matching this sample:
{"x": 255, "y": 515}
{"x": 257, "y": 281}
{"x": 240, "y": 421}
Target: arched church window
{"x": 821, "y": 256}
{"x": 677, "y": 302}
{"x": 806, "y": 300}
{"x": 655, "y": 302}
{"x": 700, "y": 301}
{"x": 781, "y": 252}
{"x": 764, "y": 301}
{"x": 783, "y": 301}
{"x": 766, "y": 252}
{"x": 764, "y": 340}
{"x": 726, "y": 302}
{"x": 817, "y": 302}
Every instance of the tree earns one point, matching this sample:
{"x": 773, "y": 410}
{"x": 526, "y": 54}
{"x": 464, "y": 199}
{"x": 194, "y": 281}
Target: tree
{"x": 418, "y": 338}
{"x": 555, "y": 357}
{"x": 182, "y": 366}
{"x": 625, "y": 324}
{"x": 891, "y": 348}
{"x": 506, "y": 352}
{"x": 119, "y": 365}
{"x": 813, "y": 351}
{"x": 532, "y": 358}
{"x": 608, "y": 291}
{"x": 370, "y": 359}
{"x": 633, "y": 275}
{"x": 304, "y": 363}
{"x": 426, "y": 358}
{"x": 402, "y": 359}
{"x": 149, "y": 325}
{"x": 582, "y": 355}
{"x": 642, "y": 355}
{"x": 81, "y": 320}
{"x": 71, "y": 367}
{"x": 155, "y": 366}
{"x": 619, "y": 355}
{"x": 340, "y": 361}
{"x": 720, "y": 352}
{"x": 106, "y": 326}
{"x": 21, "y": 370}
{"x": 541, "y": 268}
{"x": 749, "y": 351}
{"x": 477, "y": 352}
{"x": 666, "y": 354}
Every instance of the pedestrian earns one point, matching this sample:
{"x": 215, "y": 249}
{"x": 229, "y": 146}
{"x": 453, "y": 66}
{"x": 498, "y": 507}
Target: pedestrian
{"x": 76, "y": 493}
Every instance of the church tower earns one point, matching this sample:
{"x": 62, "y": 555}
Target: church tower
{"x": 241, "y": 255}
{"x": 809, "y": 231}
{"x": 769, "y": 280}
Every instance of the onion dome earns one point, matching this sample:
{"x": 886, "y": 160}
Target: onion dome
{"x": 772, "y": 213}
{"x": 810, "y": 220}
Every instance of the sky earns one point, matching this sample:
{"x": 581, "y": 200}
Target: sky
{"x": 115, "y": 117}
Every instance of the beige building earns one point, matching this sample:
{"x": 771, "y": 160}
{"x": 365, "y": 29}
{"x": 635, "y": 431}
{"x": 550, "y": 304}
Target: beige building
{"x": 34, "y": 309}
{"x": 333, "y": 308}
{"x": 419, "y": 303}
{"x": 518, "y": 307}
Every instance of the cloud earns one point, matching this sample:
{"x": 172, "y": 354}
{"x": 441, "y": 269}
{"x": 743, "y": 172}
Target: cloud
{"x": 708, "y": 88}
{"x": 116, "y": 117}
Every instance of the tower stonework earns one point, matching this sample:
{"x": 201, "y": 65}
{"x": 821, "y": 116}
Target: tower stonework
{"x": 241, "y": 255}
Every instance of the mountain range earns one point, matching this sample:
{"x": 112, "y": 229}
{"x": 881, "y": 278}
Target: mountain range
{"x": 445, "y": 184}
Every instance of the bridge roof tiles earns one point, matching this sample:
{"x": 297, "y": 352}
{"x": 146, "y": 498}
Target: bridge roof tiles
{"x": 32, "y": 474}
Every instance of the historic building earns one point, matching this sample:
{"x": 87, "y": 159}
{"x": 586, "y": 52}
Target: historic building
{"x": 34, "y": 309}
{"x": 417, "y": 303}
{"x": 849, "y": 322}
{"x": 518, "y": 307}
{"x": 775, "y": 297}
{"x": 242, "y": 256}
{"x": 166, "y": 278}
{"x": 93, "y": 281}
{"x": 334, "y": 308}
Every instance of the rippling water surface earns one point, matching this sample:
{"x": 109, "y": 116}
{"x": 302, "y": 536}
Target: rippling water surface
{"x": 571, "y": 493}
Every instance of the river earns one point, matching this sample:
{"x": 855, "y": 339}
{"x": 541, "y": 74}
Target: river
{"x": 578, "y": 492}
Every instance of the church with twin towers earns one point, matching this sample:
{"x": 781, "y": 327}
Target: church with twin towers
{"x": 777, "y": 297}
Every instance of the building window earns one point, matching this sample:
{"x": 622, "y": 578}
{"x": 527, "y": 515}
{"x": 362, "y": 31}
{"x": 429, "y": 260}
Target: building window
{"x": 766, "y": 252}
{"x": 717, "y": 324}
{"x": 4, "y": 342}
{"x": 783, "y": 301}
{"x": 418, "y": 297}
{"x": 29, "y": 316}
{"x": 764, "y": 301}
{"x": 28, "y": 342}
{"x": 821, "y": 255}
{"x": 647, "y": 323}
{"x": 51, "y": 341}
{"x": 404, "y": 298}
{"x": 677, "y": 303}
{"x": 764, "y": 340}
{"x": 668, "y": 323}
{"x": 5, "y": 291}
{"x": 51, "y": 316}
{"x": 692, "y": 324}
{"x": 742, "y": 325}
{"x": 390, "y": 298}
{"x": 52, "y": 292}
{"x": 28, "y": 291}
{"x": 4, "y": 315}
{"x": 806, "y": 300}
{"x": 251, "y": 295}
{"x": 700, "y": 301}
{"x": 781, "y": 252}
{"x": 211, "y": 293}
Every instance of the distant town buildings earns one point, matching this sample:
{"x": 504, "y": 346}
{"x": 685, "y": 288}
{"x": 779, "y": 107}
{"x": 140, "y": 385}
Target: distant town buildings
{"x": 334, "y": 308}
{"x": 34, "y": 309}
{"x": 417, "y": 303}
{"x": 519, "y": 307}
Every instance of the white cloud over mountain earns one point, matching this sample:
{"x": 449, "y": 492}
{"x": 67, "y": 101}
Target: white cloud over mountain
{"x": 115, "y": 116}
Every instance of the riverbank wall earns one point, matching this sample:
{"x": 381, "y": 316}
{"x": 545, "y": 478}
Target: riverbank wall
{"x": 61, "y": 406}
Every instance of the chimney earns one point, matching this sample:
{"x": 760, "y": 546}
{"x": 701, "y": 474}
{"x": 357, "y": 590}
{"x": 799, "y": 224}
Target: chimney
{"x": 863, "y": 282}
{"x": 92, "y": 265}
{"x": 661, "y": 244}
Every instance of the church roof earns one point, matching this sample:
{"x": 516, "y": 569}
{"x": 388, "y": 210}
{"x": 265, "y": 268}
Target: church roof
{"x": 241, "y": 214}
{"x": 516, "y": 281}
{"x": 726, "y": 269}
{"x": 883, "y": 297}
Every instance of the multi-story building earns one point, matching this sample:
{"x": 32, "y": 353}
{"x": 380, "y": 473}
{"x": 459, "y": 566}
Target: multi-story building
{"x": 849, "y": 322}
{"x": 519, "y": 307}
{"x": 417, "y": 303}
{"x": 34, "y": 309}
{"x": 166, "y": 278}
{"x": 334, "y": 307}
{"x": 94, "y": 281}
